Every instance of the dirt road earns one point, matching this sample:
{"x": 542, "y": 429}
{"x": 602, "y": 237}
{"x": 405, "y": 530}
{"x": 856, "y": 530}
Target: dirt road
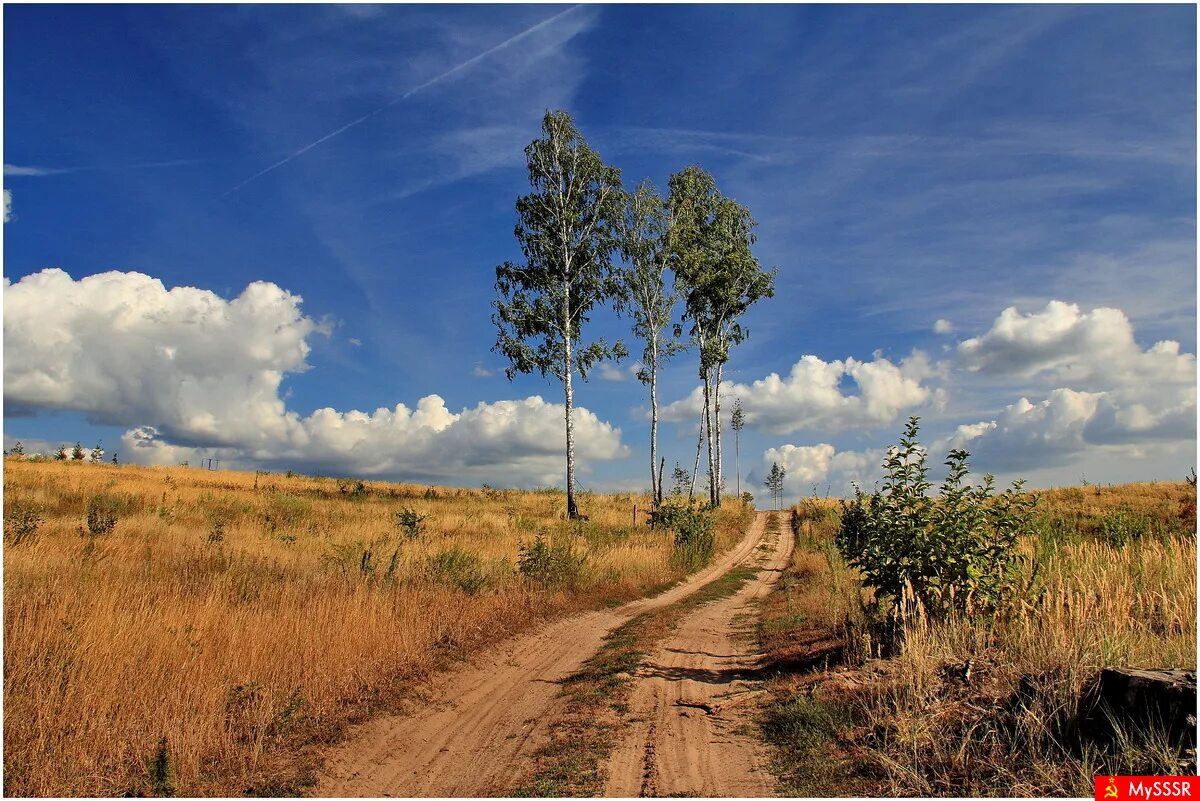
{"x": 691, "y": 732}
{"x": 484, "y": 720}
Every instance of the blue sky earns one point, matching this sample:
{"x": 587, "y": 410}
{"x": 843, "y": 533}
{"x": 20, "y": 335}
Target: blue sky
{"x": 906, "y": 164}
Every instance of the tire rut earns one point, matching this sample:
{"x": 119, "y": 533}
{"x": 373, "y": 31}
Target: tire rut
{"x": 692, "y": 704}
{"x": 484, "y": 719}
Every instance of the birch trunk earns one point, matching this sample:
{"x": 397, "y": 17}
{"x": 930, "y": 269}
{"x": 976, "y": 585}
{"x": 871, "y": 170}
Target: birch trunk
{"x": 696, "y": 467}
{"x": 572, "y": 509}
{"x": 708, "y": 427}
{"x": 655, "y": 480}
{"x": 717, "y": 417}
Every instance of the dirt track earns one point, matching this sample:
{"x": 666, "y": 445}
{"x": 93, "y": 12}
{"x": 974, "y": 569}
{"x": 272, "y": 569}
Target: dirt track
{"x": 691, "y": 703}
{"x": 486, "y": 717}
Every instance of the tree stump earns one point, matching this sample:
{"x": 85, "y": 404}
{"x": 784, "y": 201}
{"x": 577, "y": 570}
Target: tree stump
{"x": 1143, "y": 700}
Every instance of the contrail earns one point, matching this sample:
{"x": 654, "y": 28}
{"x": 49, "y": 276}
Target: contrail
{"x": 30, "y": 171}
{"x": 437, "y": 79}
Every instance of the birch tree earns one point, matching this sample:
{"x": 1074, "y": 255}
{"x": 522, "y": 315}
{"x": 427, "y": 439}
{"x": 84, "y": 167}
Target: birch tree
{"x": 568, "y": 229}
{"x": 737, "y": 421}
{"x": 709, "y": 243}
{"x": 649, "y": 299}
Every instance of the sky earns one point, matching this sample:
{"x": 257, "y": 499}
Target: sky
{"x": 268, "y": 234}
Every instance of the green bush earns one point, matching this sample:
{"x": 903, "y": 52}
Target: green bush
{"x": 101, "y": 514}
{"x": 550, "y": 565}
{"x": 457, "y": 568}
{"x": 693, "y": 527}
{"x": 409, "y": 522}
{"x": 21, "y": 522}
{"x": 953, "y": 554}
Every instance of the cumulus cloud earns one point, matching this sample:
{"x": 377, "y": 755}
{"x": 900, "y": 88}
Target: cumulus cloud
{"x": 198, "y": 376}
{"x": 824, "y": 467}
{"x": 1090, "y": 350}
{"x": 810, "y": 397}
{"x": 943, "y": 326}
{"x": 1107, "y": 391}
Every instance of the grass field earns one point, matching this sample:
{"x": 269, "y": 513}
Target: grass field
{"x": 226, "y": 622}
{"x": 987, "y": 706}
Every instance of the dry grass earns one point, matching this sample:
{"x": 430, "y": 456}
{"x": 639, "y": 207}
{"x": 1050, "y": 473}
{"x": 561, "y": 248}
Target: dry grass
{"x": 992, "y": 706}
{"x": 229, "y": 619}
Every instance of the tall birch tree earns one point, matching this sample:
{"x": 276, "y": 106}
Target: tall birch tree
{"x": 568, "y": 229}
{"x": 709, "y": 242}
{"x": 648, "y": 298}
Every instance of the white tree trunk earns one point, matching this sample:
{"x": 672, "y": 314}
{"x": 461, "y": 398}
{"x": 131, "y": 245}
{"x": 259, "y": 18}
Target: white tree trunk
{"x": 717, "y": 437}
{"x": 655, "y": 479}
{"x": 572, "y": 509}
{"x": 696, "y": 467}
{"x": 708, "y": 427}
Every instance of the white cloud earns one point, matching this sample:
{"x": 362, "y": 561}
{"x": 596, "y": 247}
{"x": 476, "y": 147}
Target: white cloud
{"x": 1096, "y": 349}
{"x": 1107, "y": 392}
{"x": 7, "y": 205}
{"x": 196, "y": 375}
{"x": 943, "y": 326}
{"x": 610, "y": 371}
{"x": 479, "y": 371}
{"x": 811, "y": 398}
{"x": 823, "y": 467}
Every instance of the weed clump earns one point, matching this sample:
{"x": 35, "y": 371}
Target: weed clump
{"x": 101, "y": 515}
{"x": 550, "y": 566}
{"x": 410, "y": 523}
{"x": 21, "y": 522}
{"x": 693, "y": 526}
{"x": 457, "y": 568}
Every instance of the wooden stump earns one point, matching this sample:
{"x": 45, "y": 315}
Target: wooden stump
{"x": 1143, "y": 700}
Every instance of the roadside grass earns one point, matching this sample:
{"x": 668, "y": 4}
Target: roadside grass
{"x": 597, "y": 696}
{"x": 201, "y": 632}
{"x": 990, "y": 706}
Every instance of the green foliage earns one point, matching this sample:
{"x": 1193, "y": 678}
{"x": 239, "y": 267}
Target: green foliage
{"x": 162, "y": 773}
{"x": 17, "y": 449}
{"x": 568, "y": 230}
{"x": 456, "y": 568}
{"x": 956, "y": 554}
{"x": 97, "y": 453}
{"x": 409, "y": 522}
{"x": 693, "y": 526}
{"x": 102, "y": 514}
{"x": 21, "y": 522}
{"x": 61, "y": 454}
{"x": 77, "y": 453}
{"x": 774, "y": 483}
{"x": 550, "y": 565}
{"x": 748, "y": 499}
{"x": 1122, "y": 526}
{"x": 680, "y": 478}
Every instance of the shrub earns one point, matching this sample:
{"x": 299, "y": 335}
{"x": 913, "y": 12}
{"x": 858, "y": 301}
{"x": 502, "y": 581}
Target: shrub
{"x": 457, "y": 568}
{"x": 77, "y": 453}
{"x": 101, "y": 515}
{"x": 954, "y": 554}
{"x": 21, "y": 522}
{"x": 410, "y": 522}
{"x": 693, "y": 527}
{"x": 549, "y": 565}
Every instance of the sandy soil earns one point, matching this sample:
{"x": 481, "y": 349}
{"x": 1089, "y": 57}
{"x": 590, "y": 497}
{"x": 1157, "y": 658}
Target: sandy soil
{"x": 693, "y": 702}
{"x": 483, "y": 720}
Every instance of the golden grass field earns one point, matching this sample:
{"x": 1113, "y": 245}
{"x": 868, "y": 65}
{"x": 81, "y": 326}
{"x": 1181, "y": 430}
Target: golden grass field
{"x": 1110, "y": 580}
{"x": 231, "y": 621}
